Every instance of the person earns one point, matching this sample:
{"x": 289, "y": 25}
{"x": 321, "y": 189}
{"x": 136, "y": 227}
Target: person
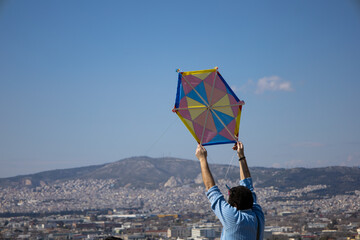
{"x": 241, "y": 217}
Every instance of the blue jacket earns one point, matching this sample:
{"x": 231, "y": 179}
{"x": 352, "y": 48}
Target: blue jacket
{"x": 237, "y": 224}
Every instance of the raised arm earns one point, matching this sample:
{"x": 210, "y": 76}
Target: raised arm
{"x": 244, "y": 170}
{"x": 207, "y": 177}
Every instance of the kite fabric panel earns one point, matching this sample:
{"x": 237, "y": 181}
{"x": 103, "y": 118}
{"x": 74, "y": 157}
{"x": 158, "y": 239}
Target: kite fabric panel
{"x": 208, "y": 107}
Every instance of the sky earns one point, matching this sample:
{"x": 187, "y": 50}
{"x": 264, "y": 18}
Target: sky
{"x": 92, "y": 82}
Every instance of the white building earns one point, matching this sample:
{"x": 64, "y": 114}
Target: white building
{"x": 197, "y": 233}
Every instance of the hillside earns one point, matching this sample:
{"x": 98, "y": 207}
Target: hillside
{"x": 145, "y": 172}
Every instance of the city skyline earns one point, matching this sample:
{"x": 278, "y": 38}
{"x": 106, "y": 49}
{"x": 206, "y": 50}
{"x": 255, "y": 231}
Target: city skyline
{"x": 89, "y": 82}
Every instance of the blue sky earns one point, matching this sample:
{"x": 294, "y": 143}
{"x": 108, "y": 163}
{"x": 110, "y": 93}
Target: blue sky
{"x": 92, "y": 82}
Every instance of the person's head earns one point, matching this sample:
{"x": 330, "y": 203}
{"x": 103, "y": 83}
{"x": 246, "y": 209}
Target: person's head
{"x": 241, "y": 198}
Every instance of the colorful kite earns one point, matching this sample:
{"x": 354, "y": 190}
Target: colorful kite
{"x": 208, "y": 107}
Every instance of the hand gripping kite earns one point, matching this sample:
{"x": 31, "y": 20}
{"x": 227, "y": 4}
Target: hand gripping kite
{"x": 208, "y": 107}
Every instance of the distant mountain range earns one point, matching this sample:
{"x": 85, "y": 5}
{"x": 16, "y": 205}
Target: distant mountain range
{"x": 153, "y": 173}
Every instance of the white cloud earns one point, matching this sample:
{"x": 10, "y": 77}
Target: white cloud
{"x": 272, "y": 83}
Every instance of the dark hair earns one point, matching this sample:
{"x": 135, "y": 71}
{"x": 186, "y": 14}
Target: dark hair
{"x": 241, "y": 198}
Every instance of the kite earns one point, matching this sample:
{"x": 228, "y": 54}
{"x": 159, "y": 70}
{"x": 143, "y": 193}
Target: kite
{"x": 208, "y": 107}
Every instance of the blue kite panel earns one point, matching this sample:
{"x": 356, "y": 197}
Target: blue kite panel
{"x": 226, "y": 119}
{"x": 200, "y": 89}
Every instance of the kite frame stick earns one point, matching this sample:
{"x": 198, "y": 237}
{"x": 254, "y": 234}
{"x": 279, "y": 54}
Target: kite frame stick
{"x": 213, "y": 86}
{"x": 209, "y": 108}
{"x": 193, "y": 107}
{"x": 232, "y": 105}
{"x": 202, "y": 135}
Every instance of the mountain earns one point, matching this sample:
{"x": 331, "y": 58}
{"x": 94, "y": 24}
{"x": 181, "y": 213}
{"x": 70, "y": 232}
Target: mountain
{"x": 152, "y": 173}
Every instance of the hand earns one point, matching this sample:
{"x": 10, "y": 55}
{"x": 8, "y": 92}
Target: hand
{"x": 239, "y": 147}
{"x": 201, "y": 152}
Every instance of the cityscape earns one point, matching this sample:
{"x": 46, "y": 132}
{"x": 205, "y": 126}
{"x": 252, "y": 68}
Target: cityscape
{"x": 95, "y": 209}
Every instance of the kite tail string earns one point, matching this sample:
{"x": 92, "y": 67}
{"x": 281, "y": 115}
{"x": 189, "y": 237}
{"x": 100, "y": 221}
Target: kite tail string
{"x": 230, "y": 164}
{"x": 158, "y": 139}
